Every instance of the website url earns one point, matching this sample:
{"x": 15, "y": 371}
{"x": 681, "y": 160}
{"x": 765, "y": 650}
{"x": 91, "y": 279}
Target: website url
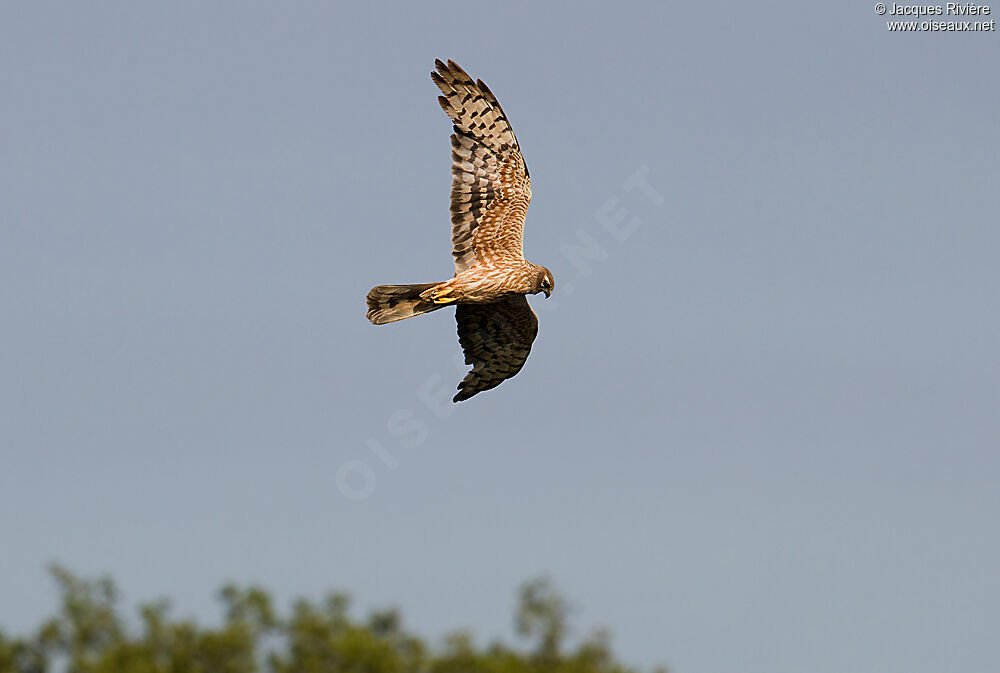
{"x": 935, "y": 26}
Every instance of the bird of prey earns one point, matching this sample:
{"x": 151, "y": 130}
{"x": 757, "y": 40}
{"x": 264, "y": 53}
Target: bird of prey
{"x": 490, "y": 192}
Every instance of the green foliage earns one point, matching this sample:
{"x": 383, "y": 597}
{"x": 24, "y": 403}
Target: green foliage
{"x": 88, "y": 634}
{"x": 542, "y": 614}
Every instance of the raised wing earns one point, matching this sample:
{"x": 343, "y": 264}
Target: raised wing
{"x": 490, "y": 189}
{"x": 496, "y": 339}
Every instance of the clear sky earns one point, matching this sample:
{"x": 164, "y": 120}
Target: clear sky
{"x": 758, "y": 430}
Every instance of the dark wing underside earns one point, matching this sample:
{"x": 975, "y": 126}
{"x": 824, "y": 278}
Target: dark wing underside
{"x": 490, "y": 188}
{"x": 496, "y": 339}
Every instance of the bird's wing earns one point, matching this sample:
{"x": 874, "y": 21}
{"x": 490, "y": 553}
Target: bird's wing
{"x": 496, "y": 339}
{"x": 490, "y": 189}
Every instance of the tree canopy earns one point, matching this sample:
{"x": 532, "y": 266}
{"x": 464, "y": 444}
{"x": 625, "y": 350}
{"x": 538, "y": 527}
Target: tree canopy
{"x": 89, "y": 634}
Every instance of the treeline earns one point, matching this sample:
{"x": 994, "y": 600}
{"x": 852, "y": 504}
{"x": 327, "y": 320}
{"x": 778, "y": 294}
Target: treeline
{"x": 88, "y": 634}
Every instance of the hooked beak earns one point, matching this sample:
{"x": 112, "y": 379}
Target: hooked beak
{"x": 547, "y": 293}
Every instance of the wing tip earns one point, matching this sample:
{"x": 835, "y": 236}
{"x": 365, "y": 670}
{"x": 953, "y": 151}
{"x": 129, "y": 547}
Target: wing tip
{"x": 462, "y": 395}
{"x": 485, "y": 89}
{"x": 457, "y": 69}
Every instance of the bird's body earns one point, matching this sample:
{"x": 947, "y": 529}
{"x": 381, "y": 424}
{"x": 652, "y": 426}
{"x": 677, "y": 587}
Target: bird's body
{"x": 491, "y": 190}
{"x": 488, "y": 283}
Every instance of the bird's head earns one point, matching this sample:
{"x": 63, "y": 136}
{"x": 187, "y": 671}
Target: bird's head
{"x": 544, "y": 281}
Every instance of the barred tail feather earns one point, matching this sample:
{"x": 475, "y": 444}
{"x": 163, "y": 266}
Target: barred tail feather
{"x": 389, "y": 303}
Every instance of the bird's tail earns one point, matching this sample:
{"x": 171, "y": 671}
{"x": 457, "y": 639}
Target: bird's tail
{"x": 389, "y": 303}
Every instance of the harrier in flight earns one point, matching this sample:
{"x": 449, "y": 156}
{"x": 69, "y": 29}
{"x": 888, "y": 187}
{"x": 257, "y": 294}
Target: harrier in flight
{"x": 490, "y": 192}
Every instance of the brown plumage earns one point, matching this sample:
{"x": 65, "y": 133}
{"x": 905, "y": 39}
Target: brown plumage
{"x": 490, "y": 193}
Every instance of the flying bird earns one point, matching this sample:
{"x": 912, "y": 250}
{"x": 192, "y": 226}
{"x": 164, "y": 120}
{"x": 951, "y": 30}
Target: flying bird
{"x": 490, "y": 193}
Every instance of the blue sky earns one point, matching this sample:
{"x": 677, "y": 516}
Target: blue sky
{"x": 758, "y": 430}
